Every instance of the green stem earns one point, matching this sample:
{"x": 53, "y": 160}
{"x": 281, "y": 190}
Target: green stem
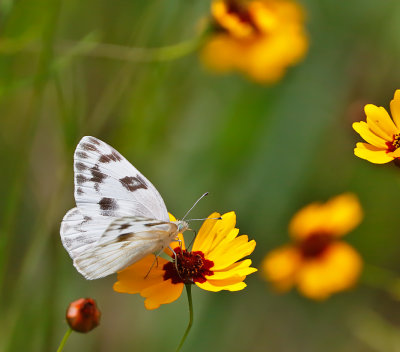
{"x": 89, "y": 48}
{"x": 64, "y": 340}
{"x": 189, "y": 295}
{"x": 124, "y": 53}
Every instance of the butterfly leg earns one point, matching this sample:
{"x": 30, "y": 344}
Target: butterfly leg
{"x": 179, "y": 241}
{"x": 195, "y": 234}
{"x": 155, "y": 261}
{"x": 175, "y": 260}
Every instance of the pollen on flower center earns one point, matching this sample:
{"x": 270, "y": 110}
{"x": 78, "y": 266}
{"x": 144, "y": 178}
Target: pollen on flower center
{"x": 394, "y": 144}
{"x": 315, "y": 245}
{"x": 188, "y": 267}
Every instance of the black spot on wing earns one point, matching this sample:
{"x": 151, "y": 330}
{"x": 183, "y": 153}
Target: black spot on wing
{"x": 123, "y": 226}
{"x": 97, "y": 175}
{"x": 82, "y": 155}
{"x": 79, "y": 191}
{"x": 113, "y": 156}
{"x": 89, "y": 147}
{"x": 133, "y": 183}
{"x": 80, "y": 166}
{"x": 94, "y": 140}
{"x": 86, "y": 219}
{"x": 108, "y": 205}
{"x": 80, "y": 179}
{"x": 150, "y": 224}
{"x": 67, "y": 242}
{"x": 125, "y": 236}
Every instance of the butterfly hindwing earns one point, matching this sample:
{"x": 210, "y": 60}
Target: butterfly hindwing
{"x": 125, "y": 241}
{"x": 106, "y": 184}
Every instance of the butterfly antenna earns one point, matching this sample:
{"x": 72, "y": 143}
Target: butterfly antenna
{"x": 198, "y": 200}
{"x": 219, "y": 218}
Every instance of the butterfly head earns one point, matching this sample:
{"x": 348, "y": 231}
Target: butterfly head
{"x": 182, "y": 226}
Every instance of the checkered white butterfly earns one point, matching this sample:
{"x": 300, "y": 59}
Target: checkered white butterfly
{"x": 119, "y": 216}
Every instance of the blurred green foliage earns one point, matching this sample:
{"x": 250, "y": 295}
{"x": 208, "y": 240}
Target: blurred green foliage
{"x": 263, "y": 151}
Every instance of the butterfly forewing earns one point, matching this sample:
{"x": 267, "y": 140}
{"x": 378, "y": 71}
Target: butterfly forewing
{"x": 106, "y": 184}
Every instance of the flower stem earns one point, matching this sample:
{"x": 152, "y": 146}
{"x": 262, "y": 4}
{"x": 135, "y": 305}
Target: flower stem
{"x": 189, "y": 295}
{"x": 125, "y": 53}
{"x": 64, "y": 340}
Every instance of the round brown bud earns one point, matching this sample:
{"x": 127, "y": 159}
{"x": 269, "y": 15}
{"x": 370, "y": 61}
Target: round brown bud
{"x": 83, "y": 315}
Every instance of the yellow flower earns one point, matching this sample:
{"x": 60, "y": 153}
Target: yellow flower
{"x": 318, "y": 262}
{"x": 259, "y": 38}
{"x": 381, "y": 133}
{"x": 212, "y": 264}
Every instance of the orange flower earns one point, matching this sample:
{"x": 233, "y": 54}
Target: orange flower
{"x": 260, "y": 38}
{"x": 212, "y": 264}
{"x": 381, "y": 132}
{"x": 318, "y": 262}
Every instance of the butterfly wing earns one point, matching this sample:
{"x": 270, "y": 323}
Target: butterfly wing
{"x": 103, "y": 247}
{"x": 80, "y": 232}
{"x": 106, "y": 184}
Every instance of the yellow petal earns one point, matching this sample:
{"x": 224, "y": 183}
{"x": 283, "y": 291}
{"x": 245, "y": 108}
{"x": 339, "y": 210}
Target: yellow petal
{"x": 225, "y": 274}
{"x": 372, "y": 154}
{"x": 343, "y": 214}
{"x": 225, "y": 246}
{"x": 239, "y": 268}
{"x": 212, "y": 232}
{"x": 133, "y": 279}
{"x": 335, "y": 217}
{"x": 219, "y": 53}
{"x": 306, "y": 221}
{"x": 380, "y": 122}
{"x": 234, "y": 283}
{"x": 231, "y": 253}
{"x": 337, "y": 270}
{"x": 362, "y": 129}
{"x": 280, "y": 266}
{"x": 163, "y": 293}
{"x": 395, "y": 108}
{"x": 230, "y": 20}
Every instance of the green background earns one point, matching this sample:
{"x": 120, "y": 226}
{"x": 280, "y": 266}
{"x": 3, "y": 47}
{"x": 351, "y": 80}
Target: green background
{"x": 262, "y": 151}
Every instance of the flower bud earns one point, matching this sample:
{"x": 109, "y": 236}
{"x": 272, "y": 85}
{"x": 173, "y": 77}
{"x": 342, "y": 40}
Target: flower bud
{"x": 83, "y": 315}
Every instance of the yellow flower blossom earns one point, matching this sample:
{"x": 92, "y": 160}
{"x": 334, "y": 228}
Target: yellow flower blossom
{"x": 260, "y": 38}
{"x": 381, "y": 133}
{"x": 317, "y": 261}
{"x": 212, "y": 264}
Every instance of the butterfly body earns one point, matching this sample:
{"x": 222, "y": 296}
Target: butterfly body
{"x": 119, "y": 216}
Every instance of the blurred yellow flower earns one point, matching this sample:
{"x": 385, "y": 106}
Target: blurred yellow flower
{"x": 212, "y": 264}
{"x": 259, "y": 38}
{"x": 318, "y": 262}
{"x": 381, "y": 132}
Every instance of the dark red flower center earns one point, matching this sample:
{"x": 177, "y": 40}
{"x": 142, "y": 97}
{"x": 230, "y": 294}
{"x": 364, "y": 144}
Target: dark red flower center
{"x": 394, "y": 144}
{"x": 315, "y": 245}
{"x": 188, "y": 267}
{"x": 239, "y": 9}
